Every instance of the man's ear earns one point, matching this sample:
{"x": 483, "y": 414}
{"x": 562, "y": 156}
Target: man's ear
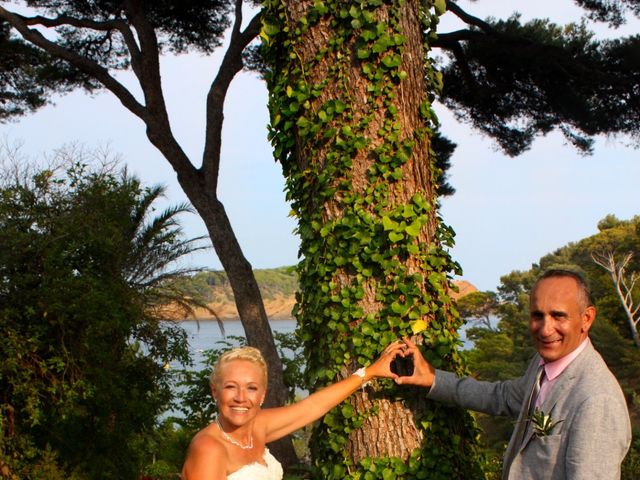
{"x": 588, "y": 316}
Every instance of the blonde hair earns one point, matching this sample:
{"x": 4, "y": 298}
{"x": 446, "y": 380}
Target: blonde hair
{"x": 249, "y": 354}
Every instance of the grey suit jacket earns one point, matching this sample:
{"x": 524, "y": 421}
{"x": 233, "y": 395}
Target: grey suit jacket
{"x": 594, "y": 432}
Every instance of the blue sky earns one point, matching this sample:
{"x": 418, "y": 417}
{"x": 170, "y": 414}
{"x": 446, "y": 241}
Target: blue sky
{"x": 507, "y": 212}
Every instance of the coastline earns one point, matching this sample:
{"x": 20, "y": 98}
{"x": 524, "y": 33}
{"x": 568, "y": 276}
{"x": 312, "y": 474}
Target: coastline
{"x": 278, "y": 307}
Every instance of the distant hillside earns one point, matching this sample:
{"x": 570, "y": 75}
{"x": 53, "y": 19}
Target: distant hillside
{"x": 464, "y": 288}
{"x": 277, "y": 286}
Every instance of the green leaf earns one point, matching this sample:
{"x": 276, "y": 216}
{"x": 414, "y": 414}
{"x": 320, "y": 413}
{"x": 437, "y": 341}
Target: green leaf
{"x": 388, "y": 474}
{"x": 413, "y": 249}
{"x": 414, "y": 228}
{"x": 368, "y": 35}
{"x": 389, "y": 224}
{"x": 382, "y": 44}
{"x": 408, "y": 212}
{"x": 399, "y": 308}
{"x": 395, "y": 237}
{"x": 346, "y": 130}
{"x": 392, "y": 61}
{"x": 363, "y": 53}
{"x": 320, "y": 7}
{"x": 340, "y": 106}
{"x": 269, "y": 30}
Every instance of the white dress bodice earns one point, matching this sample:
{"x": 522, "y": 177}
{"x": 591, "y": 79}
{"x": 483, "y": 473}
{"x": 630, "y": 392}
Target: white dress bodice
{"x": 257, "y": 471}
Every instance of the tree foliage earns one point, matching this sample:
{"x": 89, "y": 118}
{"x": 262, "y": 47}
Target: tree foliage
{"x": 613, "y": 12}
{"x": 515, "y": 81}
{"x": 82, "y": 268}
{"x": 478, "y": 307}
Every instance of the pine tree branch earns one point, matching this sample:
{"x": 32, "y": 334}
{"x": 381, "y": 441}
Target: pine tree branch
{"x": 157, "y": 121}
{"x": 231, "y": 64}
{"x": 63, "y": 20}
{"x": 468, "y": 18}
{"x": 83, "y": 64}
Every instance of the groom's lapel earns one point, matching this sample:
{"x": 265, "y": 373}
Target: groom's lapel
{"x": 560, "y": 389}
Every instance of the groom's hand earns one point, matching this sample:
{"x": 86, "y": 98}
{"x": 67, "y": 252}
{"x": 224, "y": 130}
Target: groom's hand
{"x": 423, "y": 373}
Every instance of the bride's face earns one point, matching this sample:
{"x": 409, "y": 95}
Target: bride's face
{"x": 239, "y": 391}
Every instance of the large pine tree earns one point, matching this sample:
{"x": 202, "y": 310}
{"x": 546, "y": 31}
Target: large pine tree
{"x": 350, "y": 97}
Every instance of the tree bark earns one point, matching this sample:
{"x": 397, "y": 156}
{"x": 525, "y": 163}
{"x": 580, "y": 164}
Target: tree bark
{"x": 392, "y": 433}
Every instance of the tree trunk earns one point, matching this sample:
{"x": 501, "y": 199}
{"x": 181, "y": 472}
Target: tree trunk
{"x": 247, "y": 298}
{"x": 350, "y": 104}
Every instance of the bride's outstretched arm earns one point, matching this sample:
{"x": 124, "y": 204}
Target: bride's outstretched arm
{"x": 281, "y": 421}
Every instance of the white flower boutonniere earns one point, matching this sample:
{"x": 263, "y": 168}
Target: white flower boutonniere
{"x": 542, "y": 423}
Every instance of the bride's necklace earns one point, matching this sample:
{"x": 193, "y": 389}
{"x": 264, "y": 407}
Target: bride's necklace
{"x": 233, "y": 441}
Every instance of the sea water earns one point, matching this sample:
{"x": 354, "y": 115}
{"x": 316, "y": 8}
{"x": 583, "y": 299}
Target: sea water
{"x": 206, "y": 334}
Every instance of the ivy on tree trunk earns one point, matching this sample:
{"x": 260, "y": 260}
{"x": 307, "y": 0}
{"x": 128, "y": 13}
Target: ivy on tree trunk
{"x": 350, "y": 100}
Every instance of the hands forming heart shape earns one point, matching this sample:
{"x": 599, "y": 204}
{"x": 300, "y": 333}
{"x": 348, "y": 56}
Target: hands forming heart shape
{"x": 402, "y": 365}
{"x": 404, "y": 362}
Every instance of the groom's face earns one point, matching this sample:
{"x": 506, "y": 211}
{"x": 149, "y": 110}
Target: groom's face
{"x": 559, "y": 320}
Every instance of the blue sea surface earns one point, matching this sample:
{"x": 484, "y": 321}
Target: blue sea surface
{"x": 205, "y": 334}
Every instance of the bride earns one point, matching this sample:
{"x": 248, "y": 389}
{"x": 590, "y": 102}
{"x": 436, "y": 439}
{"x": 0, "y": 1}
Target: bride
{"x": 233, "y": 446}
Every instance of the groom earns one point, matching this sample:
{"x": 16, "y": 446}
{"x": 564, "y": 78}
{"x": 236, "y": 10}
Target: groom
{"x": 589, "y": 431}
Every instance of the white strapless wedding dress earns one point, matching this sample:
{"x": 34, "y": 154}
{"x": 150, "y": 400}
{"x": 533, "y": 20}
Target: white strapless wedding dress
{"x": 256, "y": 471}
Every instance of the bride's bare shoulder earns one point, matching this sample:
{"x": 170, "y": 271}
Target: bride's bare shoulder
{"x": 206, "y": 457}
{"x": 207, "y": 439}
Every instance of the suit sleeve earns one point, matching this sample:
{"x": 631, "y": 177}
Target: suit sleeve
{"x": 599, "y": 437}
{"x": 495, "y": 398}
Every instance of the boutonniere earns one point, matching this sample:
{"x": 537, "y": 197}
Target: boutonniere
{"x": 542, "y": 423}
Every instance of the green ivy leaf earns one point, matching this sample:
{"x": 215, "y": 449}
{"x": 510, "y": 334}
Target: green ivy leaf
{"x": 321, "y": 8}
{"x": 392, "y": 61}
{"x": 269, "y": 30}
{"x": 368, "y": 34}
{"x": 363, "y": 53}
{"x": 408, "y": 211}
{"x": 389, "y": 224}
{"x": 347, "y": 410}
{"x": 399, "y": 308}
{"x": 413, "y": 249}
{"x": 395, "y": 237}
{"x": 414, "y": 228}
